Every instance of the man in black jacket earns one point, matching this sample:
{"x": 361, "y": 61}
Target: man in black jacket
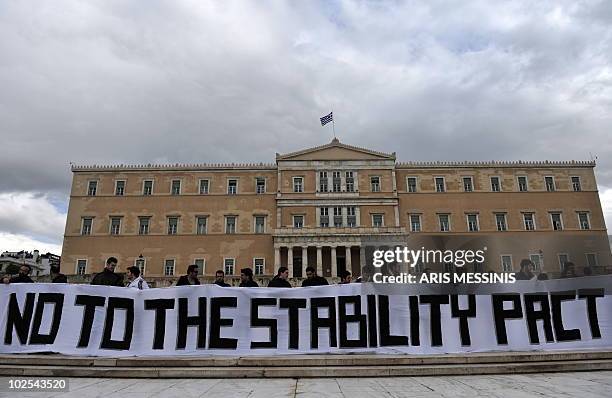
{"x": 56, "y": 276}
{"x": 108, "y": 277}
{"x": 312, "y": 279}
{"x": 280, "y": 280}
{"x": 191, "y": 278}
{"x": 246, "y": 278}
{"x": 220, "y": 279}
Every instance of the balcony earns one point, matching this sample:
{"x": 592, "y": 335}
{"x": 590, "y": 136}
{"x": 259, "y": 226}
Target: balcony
{"x": 355, "y": 231}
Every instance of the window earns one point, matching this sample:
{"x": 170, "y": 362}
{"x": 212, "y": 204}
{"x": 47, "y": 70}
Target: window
{"x": 337, "y": 217}
{"x": 298, "y": 221}
{"x": 336, "y": 181}
{"x": 140, "y": 263}
{"x": 592, "y": 259}
{"x": 258, "y": 266}
{"x": 411, "y": 183}
{"x": 143, "y": 225}
{"x": 576, "y": 184}
{"x": 201, "y": 225}
{"x": 323, "y": 182}
{"x": 556, "y": 221}
{"x": 529, "y": 222}
{"x": 536, "y": 259}
{"x": 147, "y": 187}
{"x": 92, "y": 188}
{"x": 378, "y": 220}
{"x": 472, "y": 222}
{"x": 228, "y": 266}
{"x": 583, "y": 220}
{"x": 201, "y": 263}
{"x": 444, "y": 222}
{"x": 563, "y": 259}
{"x": 468, "y": 185}
{"x": 232, "y": 187}
{"x": 298, "y": 184}
{"x": 375, "y": 184}
{"x": 230, "y": 224}
{"x": 415, "y": 223}
{"x": 440, "y": 186}
{"x": 522, "y": 183}
{"x": 176, "y": 187}
{"x": 115, "y": 225}
{"x": 324, "y": 217}
{"x": 350, "y": 181}
{"x": 506, "y": 262}
{"x": 260, "y": 224}
{"x": 495, "y": 184}
{"x": 204, "y": 187}
{"x": 260, "y": 185}
{"x": 500, "y": 221}
{"x": 119, "y": 188}
{"x": 81, "y": 267}
{"x": 169, "y": 268}
{"x": 172, "y": 225}
{"x": 86, "y": 226}
{"x": 550, "y": 183}
{"x": 351, "y": 216}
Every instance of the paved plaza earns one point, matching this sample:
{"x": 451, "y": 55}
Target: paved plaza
{"x": 576, "y": 384}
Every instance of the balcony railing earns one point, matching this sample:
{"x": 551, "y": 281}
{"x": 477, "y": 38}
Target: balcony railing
{"x": 339, "y": 231}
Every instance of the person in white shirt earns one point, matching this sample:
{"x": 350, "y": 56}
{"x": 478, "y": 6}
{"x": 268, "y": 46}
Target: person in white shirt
{"x": 135, "y": 279}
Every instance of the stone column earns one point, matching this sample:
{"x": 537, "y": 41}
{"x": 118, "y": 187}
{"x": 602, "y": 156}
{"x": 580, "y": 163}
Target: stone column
{"x": 319, "y": 260}
{"x": 334, "y": 262}
{"x": 349, "y": 264}
{"x": 277, "y": 259}
{"x": 304, "y": 260}
{"x": 290, "y": 260}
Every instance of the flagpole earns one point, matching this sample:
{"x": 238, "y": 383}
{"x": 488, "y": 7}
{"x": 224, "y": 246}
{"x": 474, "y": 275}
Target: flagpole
{"x": 333, "y": 124}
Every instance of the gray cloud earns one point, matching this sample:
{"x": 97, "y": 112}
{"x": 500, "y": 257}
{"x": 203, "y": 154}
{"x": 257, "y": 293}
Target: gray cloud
{"x": 179, "y": 81}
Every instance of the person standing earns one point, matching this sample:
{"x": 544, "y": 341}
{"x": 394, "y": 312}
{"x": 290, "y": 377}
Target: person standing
{"x": 280, "y": 280}
{"x": 312, "y": 279}
{"x": 345, "y": 277}
{"x": 56, "y": 276}
{"x": 191, "y": 278}
{"x": 525, "y": 273}
{"x": 22, "y": 277}
{"x": 108, "y": 277}
{"x": 220, "y": 279}
{"x": 136, "y": 281}
{"x": 246, "y": 278}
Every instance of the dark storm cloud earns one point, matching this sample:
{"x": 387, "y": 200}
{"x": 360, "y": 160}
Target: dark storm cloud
{"x": 167, "y": 81}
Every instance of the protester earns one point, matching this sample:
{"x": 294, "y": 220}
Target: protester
{"x": 543, "y": 276}
{"x": 367, "y": 272}
{"x": 191, "y": 278}
{"x": 135, "y": 279}
{"x": 587, "y": 271}
{"x": 246, "y": 278}
{"x": 22, "y": 276}
{"x": 569, "y": 270}
{"x": 220, "y": 279}
{"x": 108, "y": 277}
{"x": 345, "y": 277}
{"x": 526, "y": 272}
{"x": 312, "y": 279}
{"x": 56, "y": 276}
{"x": 280, "y": 280}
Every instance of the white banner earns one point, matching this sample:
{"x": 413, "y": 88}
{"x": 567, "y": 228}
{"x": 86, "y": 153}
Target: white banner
{"x": 210, "y": 320}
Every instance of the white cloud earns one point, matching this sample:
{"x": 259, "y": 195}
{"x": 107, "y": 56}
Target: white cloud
{"x": 14, "y": 242}
{"x": 30, "y": 215}
{"x": 605, "y": 196}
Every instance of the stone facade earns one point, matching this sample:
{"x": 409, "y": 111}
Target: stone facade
{"x": 329, "y": 207}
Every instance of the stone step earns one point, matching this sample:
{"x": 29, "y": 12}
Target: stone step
{"x": 304, "y": 371}
{"x": 305, "y": 360}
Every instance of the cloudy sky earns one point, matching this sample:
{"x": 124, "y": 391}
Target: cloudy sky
{"x": 105, "y": 82}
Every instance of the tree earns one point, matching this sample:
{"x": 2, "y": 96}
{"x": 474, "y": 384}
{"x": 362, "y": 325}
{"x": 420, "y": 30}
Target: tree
{"x": 12, "y": 269}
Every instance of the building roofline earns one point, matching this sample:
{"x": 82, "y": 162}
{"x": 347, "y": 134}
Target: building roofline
{"x": 174, "y": 167}
{"x": 496, "y": 163}
{"x": 335, "y": 143}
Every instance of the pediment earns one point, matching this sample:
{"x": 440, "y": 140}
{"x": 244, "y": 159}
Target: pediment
{"x": 336, "y": 151}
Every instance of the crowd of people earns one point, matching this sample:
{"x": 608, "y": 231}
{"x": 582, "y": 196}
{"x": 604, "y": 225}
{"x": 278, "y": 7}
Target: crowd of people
{"x": 109, "y": 277}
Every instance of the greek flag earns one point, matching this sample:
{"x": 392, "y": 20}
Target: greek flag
{"x": 326, "y": 119}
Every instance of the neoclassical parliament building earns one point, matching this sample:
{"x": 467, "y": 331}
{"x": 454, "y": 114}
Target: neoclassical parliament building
{"x": 329, "y": 207}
